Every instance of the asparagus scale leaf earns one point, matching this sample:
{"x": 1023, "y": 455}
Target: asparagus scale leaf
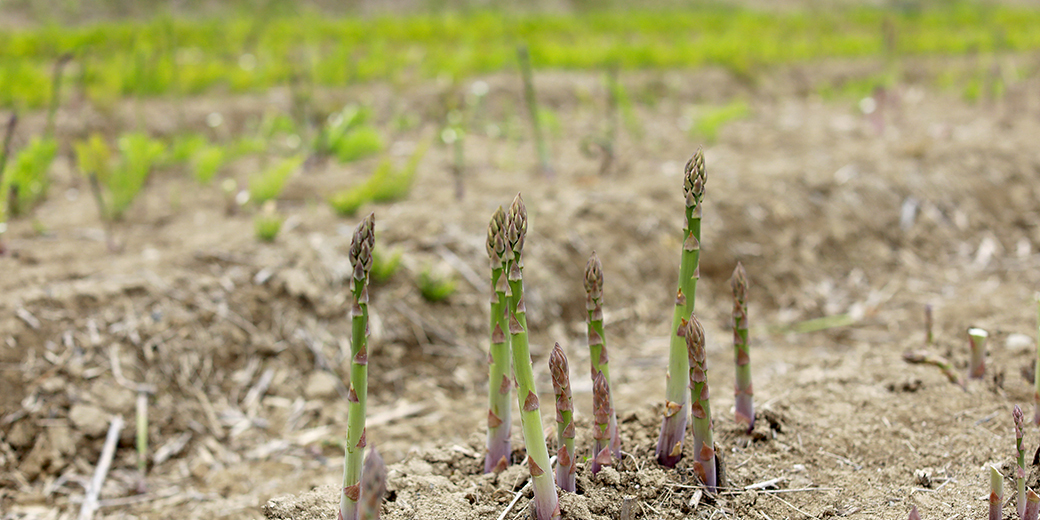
{"x": 673, "y": 426}
{"x": 499, "y": 385}
{"x": 546, "y": 501}
{"x": 601, "y": 430}
{"x": 361, "y": 259}
{"x": 700, "y": 408}
{"x": 566, "y": 470}
{"x": 373, "y": 486}
{"x": 597, "y": 339}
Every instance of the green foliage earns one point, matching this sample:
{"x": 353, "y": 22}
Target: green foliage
{"x": 385, "y": 265}
{"x": 138, "y": 155}
{"x": 268, "y": 185}
{"x": 267, "y": 225}
{"x": 206, "y": 161}
{"x": 435, "y": 287}
{"x": 27, "y": 175}
{"x": 386, "y": 184}
{"x": 348, "y": 137}
{"x": 712, "y": 120}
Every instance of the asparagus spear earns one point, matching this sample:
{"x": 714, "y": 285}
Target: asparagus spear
{"x": 499, "y": 385}
{"x": 361, "y": 259}
{"x": 373, "y": 486}
{"x": 601, "y": 431}
{"x": 745, "y": 406}
{"x": 673, "y": 426}
{"x": 914, "y": 515}
{"x": 977, "y": 339}
{"x": 532, "y": 107}
{"x": 703, "y": 438}
{"x": 1032, "y": 506}
{"x": 1036, "y": 369}
{"x": 1020, "y": 470}
{"x": 546, "y": 502}
{"x": 996, "y": 493}
{"x": 928, "y": 337}
{"x": 597, "y": 342}
{"x": 565, "y": 468}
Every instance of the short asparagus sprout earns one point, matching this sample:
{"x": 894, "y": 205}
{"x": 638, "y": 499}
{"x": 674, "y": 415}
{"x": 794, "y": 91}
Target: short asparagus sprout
{"x": 597, "y": 339}
{"x": 1036, "y": 368}
{"x": 361, "y": 259}
{"x": 373, "y": 486}
{"x": 566, "y": 469}
{"x": 703, "y": 438}
{"x": 499, "y": 385}
{"x": 546, "y": 501}
{"x": 1032, "y": 506}
{"x": 1020, "y": 468}
{"x": 601, "y": 430}
{"x": 929, "y": 339}
{"x": 977, "y": 338}
{"x": 673, "y": 426}
{"x": 914, "y": 515}
{"x": 996, "y": 493}
{"x": 745, "y": 406}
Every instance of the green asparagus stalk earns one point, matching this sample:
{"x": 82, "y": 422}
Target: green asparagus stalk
{"x": 361, "y": 259}
{"x": 499, "y": 384}
{"x": 977, "y": 339}
{"x": 929, "y": 339}
{"x": 1020, "y": 469}
{"x": 532, "y": 107}
{"x": 1032, "y": 506}
{"x": 597, "y": 339}
{"x": 546, "y": 501}
{"x": 601, "y": 431}
{"x": 373, "y": 486}
{"x": 924, "y": 357}
{"x": 703, "y": 438}
{"x": 914, "y": 515}
{"x": 745, "y": 406}
{"x": 566, "y": 470}
{"x": 996, "y": 493}
{"x": 142, "y": 435}
{"x": 673, "y": 426}
{"x": 1036, "y": 368}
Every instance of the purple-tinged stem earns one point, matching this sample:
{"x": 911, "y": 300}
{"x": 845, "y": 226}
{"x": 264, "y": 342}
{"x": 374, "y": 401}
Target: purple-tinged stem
{"x": 1032, "y": 506}
{"x": 1020, "y": 468}
{"x": 373, "y": 486}
{"x": 601, "y": 430}
{"x": 996, "y": 493}
{"x": 500, "y": 386}
{"x": 1036, "y": 369}
{"x": 676, "y": 408}
{"x": 700, "y": 407}
{"x": 566, "y": 469}
{"x": 914, "y": 515}
{"x": 977, "y": 338}
{"x": 745, "y": 405}
{"x": 597, "y": 339}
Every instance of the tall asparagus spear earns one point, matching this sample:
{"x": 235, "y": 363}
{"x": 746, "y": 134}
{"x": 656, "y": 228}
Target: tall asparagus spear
{"x": 566, "y": 470}
{"x": 1020, "y": 469}
{"x": 673, "y": 427}
{"x": 1036, "y": 368}
{"x": 745, "y": 406}
{"x": 499, "y": 384}
{"x": 996, "y": 493}
{"x": 597, "y": 340}
{"x": 977, "y": 339}
{"x": 546, "y": 502}
{"x": 703, "y": 438}
{"x": 602, "y": 412}
{"x": 361, "y": 259}
{"x": 373, "y": 486}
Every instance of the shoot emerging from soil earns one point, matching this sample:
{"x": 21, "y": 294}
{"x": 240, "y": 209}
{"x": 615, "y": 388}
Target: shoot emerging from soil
{"x": 977, "y": 339}
{"x": 361, "y": 259}
{"x": 914, "y": 515}
{"x": 499, "y": 384}
{"x": 1036, "y": 368}
{"x": 996, "y": 493}
{"x": 602, "y": 412}
{"x": 1032, "y": 506}
{"x": 597, "y": 340}
{"x": 546, "y": 501}
{"x": 373, "y": 486}
{"x": 703, "y": 438}
{"x": 745, "y": 407}
{"x": 673, "y": 427}
{"x": 1020, "y": 468}
{"x": 565, "y": 467}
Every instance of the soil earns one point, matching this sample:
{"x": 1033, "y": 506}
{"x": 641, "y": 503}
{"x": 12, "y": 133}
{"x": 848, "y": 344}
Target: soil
{"x": 859, "y": 219}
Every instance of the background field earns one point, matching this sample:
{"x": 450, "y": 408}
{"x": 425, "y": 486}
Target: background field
{"x": 864, "y": 159}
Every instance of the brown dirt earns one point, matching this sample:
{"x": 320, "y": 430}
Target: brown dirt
{"x": 240, "y": 337}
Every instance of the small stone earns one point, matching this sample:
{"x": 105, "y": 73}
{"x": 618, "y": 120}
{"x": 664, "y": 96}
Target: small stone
{"x": 320, "y": 385}
{"x": 89, "y": 420}
{"x": 1018, "y": 341}
{"x": 52, "y": 385}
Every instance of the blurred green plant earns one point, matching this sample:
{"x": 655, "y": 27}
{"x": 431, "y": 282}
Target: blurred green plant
{"x": 386, "y": 184}
{"x": 348, "y": 136}
{"x": 435, "y": 287}
{"x": 268, "y": 222}
{"x": 268, "y": 185}
{"x": 385, "y": 265}
{"x": 119, "y": 181}
{"x": 206, "y": 162}
{"x": 25, "y": 179}
{"x": 712, "y": 120}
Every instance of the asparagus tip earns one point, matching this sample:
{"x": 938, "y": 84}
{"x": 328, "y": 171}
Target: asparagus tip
{"x": 694, "y": 179}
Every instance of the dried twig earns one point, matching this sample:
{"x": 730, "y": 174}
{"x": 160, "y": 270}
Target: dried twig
{"x": 90, "y": 503}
